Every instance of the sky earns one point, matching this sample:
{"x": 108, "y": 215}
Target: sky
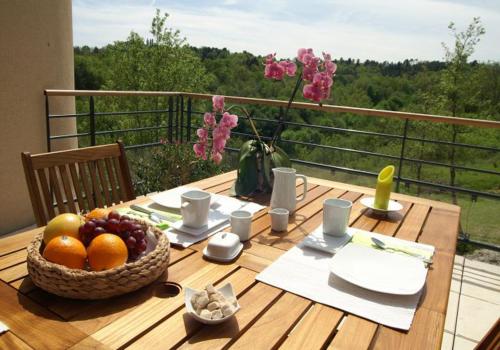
{"x": 384, "y": 30}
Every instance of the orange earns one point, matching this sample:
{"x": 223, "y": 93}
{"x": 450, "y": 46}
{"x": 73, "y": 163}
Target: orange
{"x": 67, "y": 251}
{"x": 64, "y": 224}
{"x": 97, "y": 213}
{"x": 107, "y": 251}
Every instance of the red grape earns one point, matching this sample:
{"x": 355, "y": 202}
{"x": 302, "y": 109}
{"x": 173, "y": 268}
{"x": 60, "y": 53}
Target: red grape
{"x": 89, "y": 226}
{"x": 124, "y": 217}
{"x": 126, "y": 225}
{"x": 138, "y": 234}
{"x": 100, "y": 223}
{"x": 113, "y": 226}
{"x": 124, "y": 235}
{"x": 131, "y": 242}
{"x": 141, "y": 245}
{"x": 99, "y": 230}
{"x": 114, "y": 215}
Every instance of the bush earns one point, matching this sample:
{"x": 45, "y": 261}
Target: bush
{"x": 170, "y": 165}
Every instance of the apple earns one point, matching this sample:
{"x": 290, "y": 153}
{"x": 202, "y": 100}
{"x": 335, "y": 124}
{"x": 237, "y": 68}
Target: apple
{"x": 66, "y": 224}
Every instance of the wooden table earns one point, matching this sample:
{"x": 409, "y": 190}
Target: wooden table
{"x": 269, "y": 318}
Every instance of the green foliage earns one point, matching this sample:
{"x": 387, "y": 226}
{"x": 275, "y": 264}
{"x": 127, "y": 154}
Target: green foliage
{"x": 170, "y": 165}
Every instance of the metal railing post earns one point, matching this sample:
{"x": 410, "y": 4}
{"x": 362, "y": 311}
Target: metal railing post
{"x": 92, "y": 120}
{"x": 170, "y": 118}
{"x": 176, "y": 118}
{"x": 182, "y": 118}
{"x": 189, "y": 111}
{"x": 402, "y": 154}
{"x": 47, "y": 121}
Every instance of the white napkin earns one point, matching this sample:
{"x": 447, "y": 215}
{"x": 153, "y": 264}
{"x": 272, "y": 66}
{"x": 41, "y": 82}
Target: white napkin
{"x": 306, "y": 272}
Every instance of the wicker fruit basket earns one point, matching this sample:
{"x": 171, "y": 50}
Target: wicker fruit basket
{"x": 83, "y": 284}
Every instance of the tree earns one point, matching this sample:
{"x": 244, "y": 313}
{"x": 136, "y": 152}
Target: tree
{"x": 455, "y": 81}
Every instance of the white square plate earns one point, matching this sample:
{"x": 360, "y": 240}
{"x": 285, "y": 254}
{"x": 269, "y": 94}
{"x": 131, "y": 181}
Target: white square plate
{"x": 378, "y": 270}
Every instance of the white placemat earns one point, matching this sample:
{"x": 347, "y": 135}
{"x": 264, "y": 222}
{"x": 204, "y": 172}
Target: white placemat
{"x": 306, "y": 272}
{"x": 223, "y": 206}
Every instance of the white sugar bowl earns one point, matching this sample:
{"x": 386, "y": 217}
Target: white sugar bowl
{"x": 223, "y": 246}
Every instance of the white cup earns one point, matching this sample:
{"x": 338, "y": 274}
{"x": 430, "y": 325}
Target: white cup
{"x": 336, "y": 216}
{"x": 279, "y": 219}
{"x": 194, "y": 208}
{"x": 241, "y": 224}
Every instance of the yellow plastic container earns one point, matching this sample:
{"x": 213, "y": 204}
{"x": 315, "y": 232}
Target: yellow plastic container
{"x": 384, "y": 187}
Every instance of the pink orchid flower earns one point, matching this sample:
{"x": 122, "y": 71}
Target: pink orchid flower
{"x": 289, "y": 66}
{"x": 274, "y": 71}
{"x": 229, "y": 120}
{"x": 302, "y": 52}
{"x": 218, "y": 103}
{"x": 209, "y": 119}
{"x": 202, "y": 134}
{"x": 216, "y": 157}
{"x": 200, "y": 150}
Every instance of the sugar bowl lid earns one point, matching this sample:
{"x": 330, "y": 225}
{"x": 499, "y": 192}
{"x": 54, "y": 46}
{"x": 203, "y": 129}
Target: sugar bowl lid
{"x": 223, "y": 246}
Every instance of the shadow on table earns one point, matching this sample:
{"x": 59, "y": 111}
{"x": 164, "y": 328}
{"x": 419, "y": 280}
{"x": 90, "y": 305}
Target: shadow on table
{"x": 81, "y": 310}
{"x": 227, "y": 330}
{"x": 391, "y": 216}
{"x": 270, "y": 237}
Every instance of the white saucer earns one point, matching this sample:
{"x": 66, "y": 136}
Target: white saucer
{"x": 393, "y": 206}
{"x": 222, "y": 259}
{"x": 326, "y": 243}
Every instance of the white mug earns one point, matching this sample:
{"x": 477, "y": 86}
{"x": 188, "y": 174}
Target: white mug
{"x": 241, "y": 224}
{"x": 336, "y": 216}
{"x": 194, "y": 208}
{"x": 279, "y": 219}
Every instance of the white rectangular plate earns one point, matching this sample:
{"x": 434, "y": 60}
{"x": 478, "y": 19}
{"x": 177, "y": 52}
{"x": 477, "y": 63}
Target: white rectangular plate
{"x": 378, "y": 270}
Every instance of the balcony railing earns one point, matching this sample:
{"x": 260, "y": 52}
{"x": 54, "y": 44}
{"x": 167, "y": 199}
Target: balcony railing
{"x": 177, "y": 115}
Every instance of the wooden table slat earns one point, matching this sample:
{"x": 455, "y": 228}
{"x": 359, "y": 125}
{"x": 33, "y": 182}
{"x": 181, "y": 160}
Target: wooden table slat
{"x": 38, "y": 327}
{"x": 12, "y": 259}
{"x": 412, "y": 225}
{"x": 355, "y": 333}
{"x": 10, "y": 341}
{"x": 273, "y": 326}
{"x": 14, "y": 272}
{"x": 314, "y": 329}
{"x": 426, "y": 332}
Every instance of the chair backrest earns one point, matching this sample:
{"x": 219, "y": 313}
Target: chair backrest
{"x": 77, "y": 180}
{"x": 491, "y": 340}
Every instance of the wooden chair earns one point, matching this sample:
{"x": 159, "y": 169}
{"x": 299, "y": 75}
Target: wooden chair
{"x": 78, "y": 180}
{"x": 491, "y": 340}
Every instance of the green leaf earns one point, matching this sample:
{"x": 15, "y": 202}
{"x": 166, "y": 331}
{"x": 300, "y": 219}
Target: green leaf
{"x": 280, "y": 159}
{"x": 247, "y": 180}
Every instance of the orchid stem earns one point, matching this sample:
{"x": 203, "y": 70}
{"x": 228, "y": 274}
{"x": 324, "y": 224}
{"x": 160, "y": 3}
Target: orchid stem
{"x": 249, "y": 119}
{"x": 280, "y": 127}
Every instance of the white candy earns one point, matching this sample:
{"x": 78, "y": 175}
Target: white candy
{"x": 210, "y": 289}
{"x": 206, "y": 314}
{"x": 201, "y": 302}
{"x": 213, "y": 306}
{"x": 227, "y": 309}
{"x": 216, "y": 315}
{"x": 217, "y": 297}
